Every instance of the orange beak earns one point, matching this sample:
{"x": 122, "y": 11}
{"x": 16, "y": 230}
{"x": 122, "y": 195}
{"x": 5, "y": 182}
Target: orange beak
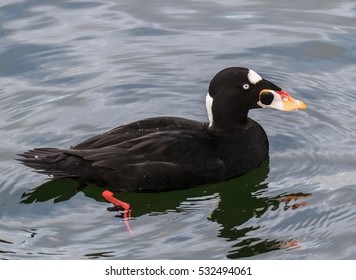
{"x": 281, "y": 100}
{"x": 289, "y": 103}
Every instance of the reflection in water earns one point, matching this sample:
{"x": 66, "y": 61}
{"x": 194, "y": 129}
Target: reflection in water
{"x": 255, "y": 245}
{"x": 240, "y": 200}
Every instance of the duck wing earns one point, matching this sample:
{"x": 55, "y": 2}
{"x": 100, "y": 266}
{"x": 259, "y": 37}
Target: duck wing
{"x": 154, "y": 161}
{"x": 140, "y": 128}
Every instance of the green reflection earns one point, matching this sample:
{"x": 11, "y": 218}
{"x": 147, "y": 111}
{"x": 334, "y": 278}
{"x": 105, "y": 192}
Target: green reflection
{"x": 240, "y": 200}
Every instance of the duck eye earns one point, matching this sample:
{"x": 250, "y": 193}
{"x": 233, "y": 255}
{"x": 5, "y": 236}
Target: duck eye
{"x": 246, "y": 86}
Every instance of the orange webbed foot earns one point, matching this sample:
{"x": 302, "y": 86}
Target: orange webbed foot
{"x": 109, "y": 196}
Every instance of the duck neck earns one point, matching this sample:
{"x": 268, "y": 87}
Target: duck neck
{"x": 231, "y": 125}
{"x": 225, "y": 118}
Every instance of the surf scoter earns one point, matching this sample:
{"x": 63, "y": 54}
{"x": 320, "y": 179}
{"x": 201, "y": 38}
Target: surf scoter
{"x": 165, "y": 153}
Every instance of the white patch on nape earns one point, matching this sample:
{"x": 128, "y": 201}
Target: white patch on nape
{"x": 209, "y": 105}
{"x": 253, "y": 77}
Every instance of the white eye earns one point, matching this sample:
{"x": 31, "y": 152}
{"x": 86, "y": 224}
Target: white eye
{"x": 246, "y": 86}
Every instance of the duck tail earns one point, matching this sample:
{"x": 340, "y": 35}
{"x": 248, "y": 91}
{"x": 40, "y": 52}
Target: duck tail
{"x": 44, "y": 160}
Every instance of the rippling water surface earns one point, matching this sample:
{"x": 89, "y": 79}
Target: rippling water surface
{"x": 72, "y": 69}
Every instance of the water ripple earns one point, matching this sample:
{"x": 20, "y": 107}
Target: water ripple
{"x": 72, "y": 69}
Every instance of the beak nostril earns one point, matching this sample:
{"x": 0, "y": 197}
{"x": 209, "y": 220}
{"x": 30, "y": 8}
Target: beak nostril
{"x": 283, "y": 94}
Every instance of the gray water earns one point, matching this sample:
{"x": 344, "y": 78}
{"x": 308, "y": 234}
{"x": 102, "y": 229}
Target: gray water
{"x": 72, "y": 69}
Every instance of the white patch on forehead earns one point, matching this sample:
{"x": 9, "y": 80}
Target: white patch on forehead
{"x": 253, "y": 77}
{"x": 209, "y": 105}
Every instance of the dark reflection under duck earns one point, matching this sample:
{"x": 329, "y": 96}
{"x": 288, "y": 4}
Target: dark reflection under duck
{"x": 240, "y": 200}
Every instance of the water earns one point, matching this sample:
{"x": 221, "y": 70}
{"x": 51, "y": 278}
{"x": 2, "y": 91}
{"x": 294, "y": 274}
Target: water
{"x": 72, "y": 69}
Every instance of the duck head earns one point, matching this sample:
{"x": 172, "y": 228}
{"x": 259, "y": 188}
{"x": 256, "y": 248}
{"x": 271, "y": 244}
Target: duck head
{"x": 235, "y": 90}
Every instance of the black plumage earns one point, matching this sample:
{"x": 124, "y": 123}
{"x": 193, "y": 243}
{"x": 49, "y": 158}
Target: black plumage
{"x": 169, "y": 152}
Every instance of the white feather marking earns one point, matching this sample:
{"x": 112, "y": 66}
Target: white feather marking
{"x": 253, "y": 77}
{"x": 209, "y": 105}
